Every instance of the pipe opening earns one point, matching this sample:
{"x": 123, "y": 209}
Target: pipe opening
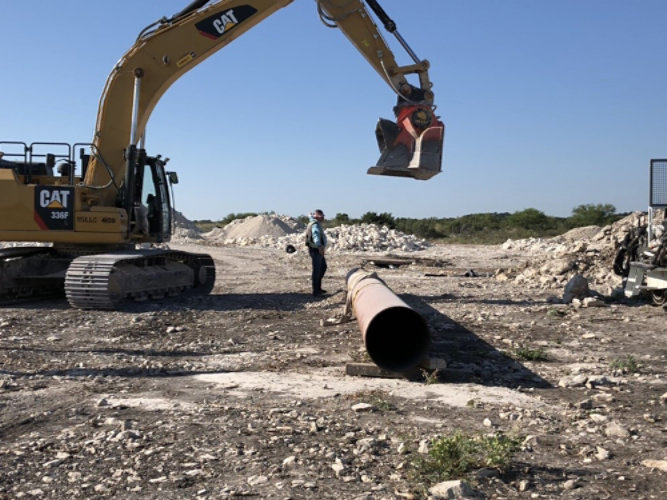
{"x": 397, "y": 339}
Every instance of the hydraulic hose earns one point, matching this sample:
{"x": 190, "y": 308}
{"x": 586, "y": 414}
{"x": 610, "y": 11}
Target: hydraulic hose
{"x": 196, "y": 4}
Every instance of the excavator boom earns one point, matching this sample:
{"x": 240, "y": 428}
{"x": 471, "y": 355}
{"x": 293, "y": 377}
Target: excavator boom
{"x": 411, "y": 146}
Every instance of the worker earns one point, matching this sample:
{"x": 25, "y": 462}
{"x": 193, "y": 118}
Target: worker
{"x": 316, "y": 241}
{"x": 153, "y": 213}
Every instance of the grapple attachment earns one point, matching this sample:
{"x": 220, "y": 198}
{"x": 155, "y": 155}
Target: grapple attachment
{"x": 411, "y": 147}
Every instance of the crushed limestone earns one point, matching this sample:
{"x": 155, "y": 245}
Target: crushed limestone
{"x": 588, "y": 251}
{"x": 279, "y": 231}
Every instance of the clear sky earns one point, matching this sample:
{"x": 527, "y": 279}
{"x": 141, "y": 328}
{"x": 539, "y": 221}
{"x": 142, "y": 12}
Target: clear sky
{"x": 548, "y": 104}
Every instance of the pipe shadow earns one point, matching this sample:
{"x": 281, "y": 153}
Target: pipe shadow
{"x": 448, "y": 297}
{"x": 469, "y": 358}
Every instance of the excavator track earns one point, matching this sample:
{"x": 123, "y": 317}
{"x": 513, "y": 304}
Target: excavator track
{"x": 104, "y": 281}
{"x": 31, "y": 271}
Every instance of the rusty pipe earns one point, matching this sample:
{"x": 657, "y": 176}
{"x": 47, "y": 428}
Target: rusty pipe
{"x": 396, "y": 337}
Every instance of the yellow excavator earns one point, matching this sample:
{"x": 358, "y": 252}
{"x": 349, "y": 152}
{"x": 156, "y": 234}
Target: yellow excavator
{"x": 96, "y": 211}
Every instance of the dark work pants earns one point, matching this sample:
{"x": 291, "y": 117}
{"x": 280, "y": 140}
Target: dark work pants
{"x": 319, "y": 268}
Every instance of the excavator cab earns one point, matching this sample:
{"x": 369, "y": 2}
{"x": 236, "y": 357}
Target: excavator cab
{"x": 151, "y": 208}
{"x": 411, "y": 146}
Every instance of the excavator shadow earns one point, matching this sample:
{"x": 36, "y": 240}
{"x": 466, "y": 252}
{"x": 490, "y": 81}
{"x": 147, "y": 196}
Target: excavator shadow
{"x": 128, "y": 373}
{"x": 289, "y": 301}
{"x": 469, "y": 358}
{"x": 217, "y": 302}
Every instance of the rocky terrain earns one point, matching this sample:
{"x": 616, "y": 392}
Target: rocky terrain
{"x": 244, "y": 393}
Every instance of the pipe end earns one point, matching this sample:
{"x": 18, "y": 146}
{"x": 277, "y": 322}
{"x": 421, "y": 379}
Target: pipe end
{"x": 397, "y": 339}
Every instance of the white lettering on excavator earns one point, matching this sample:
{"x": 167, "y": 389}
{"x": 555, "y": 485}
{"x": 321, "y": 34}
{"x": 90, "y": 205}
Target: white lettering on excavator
{"x": 221, "y": 23}
{"x": 55, "y": 198}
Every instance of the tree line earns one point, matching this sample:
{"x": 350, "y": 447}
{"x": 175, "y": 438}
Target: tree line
{"x": 473, "y": 228}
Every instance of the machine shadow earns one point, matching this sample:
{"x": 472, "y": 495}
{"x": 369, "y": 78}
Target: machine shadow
{"x": 289, "y": 301}
{"x": 128, "y": 372}
{"x": 469, "y": 358}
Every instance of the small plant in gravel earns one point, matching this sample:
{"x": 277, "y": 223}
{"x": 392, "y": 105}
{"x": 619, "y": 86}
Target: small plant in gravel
{"x": 431, "y": 377}
{"x": 627, "y": 364}
{"x": 362, "y": 356}
{"x": 555, "y": 313}
{"x": 455, "y": 456}
{"x": 527, "y": 354}
{"x": 379, "y": 400}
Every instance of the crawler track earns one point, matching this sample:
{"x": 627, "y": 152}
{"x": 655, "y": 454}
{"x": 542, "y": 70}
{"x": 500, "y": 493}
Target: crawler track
{"x": 104, "y": 281}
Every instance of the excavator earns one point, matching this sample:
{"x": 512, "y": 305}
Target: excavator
{"x": 98, "y": 214}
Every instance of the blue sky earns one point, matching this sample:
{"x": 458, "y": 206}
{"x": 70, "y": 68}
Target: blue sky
{"x": 547, "y": 104}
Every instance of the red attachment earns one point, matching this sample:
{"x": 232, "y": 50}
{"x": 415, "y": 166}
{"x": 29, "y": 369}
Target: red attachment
{"x": 413, "y": 121}
{"x": 412, "y": 146}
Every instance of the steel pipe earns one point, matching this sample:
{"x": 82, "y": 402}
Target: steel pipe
{"x": 396, "y": 337}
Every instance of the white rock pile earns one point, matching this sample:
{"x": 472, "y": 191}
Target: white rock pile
{"x": 589, "y": 251}
{"x": 259, "y": 230}
{"x": 370, "y": 238}
{"x": 184, "y": 229}
{"x": 278, "y": 231}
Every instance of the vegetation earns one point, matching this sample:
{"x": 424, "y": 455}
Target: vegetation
{"x": 455, "y": 456}
{"x": 432, "y": 377}
{"x": 527, "y": 354}
{"x": 628, "y": 364}
{"x": 588, "y": 215}
{"x": 473, "y": 228}
{"x": 379, "y": 400}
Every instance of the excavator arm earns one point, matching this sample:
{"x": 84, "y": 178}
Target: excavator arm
{"x": 411, "y": 146}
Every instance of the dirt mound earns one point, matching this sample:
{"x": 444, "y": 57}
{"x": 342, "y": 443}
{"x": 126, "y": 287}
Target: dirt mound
{"x": 579, "y": 233}
{"x": 184, "y": 229}
{"x": 254, "y": 229}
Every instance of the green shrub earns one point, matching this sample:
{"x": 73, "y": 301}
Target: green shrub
{"x": 628, "y": 364}
{"x": 455, "y": 456}
{"x": 527, "y": 354}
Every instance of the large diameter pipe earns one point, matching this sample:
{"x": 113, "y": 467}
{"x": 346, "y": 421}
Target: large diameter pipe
{"x": 396, "y": 337}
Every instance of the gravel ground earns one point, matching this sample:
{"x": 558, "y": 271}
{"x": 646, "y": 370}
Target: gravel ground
{"x": 244, "y": 393}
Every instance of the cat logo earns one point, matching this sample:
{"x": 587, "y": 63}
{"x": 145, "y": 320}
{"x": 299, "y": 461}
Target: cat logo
{"x": 54, "y": 208}
{"x": 224, "y": 20}
{"x": 54, "y": 199}
{"x": 218, "y": 24}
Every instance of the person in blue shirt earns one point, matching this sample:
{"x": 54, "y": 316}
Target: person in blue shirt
{"x": 316, "y": 241}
